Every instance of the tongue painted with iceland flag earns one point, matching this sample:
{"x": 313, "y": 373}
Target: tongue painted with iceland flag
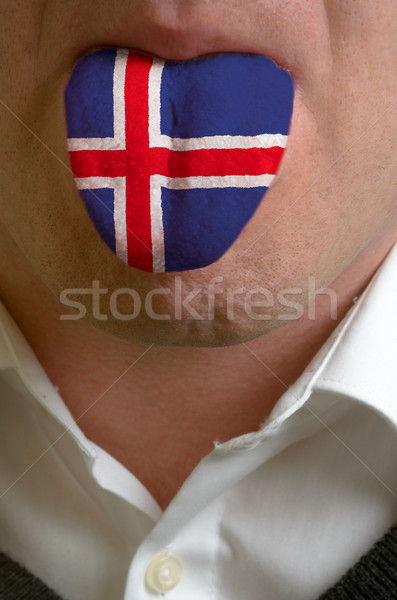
{"x": 173, "y": 158}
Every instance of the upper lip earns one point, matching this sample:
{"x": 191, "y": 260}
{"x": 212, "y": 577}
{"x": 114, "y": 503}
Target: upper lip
{"x": 188, "y": 38}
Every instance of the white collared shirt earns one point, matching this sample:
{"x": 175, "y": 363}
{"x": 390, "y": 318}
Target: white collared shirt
{"x": 277, "y": 514}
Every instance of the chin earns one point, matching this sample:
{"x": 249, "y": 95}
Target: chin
{"x": 187, "y": 332}
{"x": 197, "y": 309}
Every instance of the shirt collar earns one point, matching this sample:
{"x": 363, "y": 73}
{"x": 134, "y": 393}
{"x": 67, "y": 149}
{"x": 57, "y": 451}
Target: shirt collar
{"x": 361, "y": 362}
{"x": 17, "y": 358}
{"x": 358, "y": 361}
{"x": 8, "y": 359}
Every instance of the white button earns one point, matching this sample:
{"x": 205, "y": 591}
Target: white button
{"x": 163, "y": 573}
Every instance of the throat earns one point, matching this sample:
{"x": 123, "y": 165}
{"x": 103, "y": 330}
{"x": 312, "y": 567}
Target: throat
{"x": 160, "y": 432}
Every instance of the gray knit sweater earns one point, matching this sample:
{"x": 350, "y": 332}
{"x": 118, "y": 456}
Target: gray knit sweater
{"x": 374, "y": 577}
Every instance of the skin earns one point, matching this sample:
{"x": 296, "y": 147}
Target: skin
{"x": 330, "y": 215}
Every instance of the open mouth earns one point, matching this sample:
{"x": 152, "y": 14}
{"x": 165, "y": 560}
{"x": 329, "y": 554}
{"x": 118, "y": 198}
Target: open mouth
{"x": 173, "y": 158}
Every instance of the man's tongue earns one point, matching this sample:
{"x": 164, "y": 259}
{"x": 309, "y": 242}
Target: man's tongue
{"x": 173, "y": 158}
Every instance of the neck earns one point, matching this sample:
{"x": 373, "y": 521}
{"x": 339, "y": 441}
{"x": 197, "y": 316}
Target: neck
{"x": 158, "y": 410}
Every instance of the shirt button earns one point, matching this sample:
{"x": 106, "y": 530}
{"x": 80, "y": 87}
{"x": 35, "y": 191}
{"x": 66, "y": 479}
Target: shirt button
{"x": 163, "y": 573}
